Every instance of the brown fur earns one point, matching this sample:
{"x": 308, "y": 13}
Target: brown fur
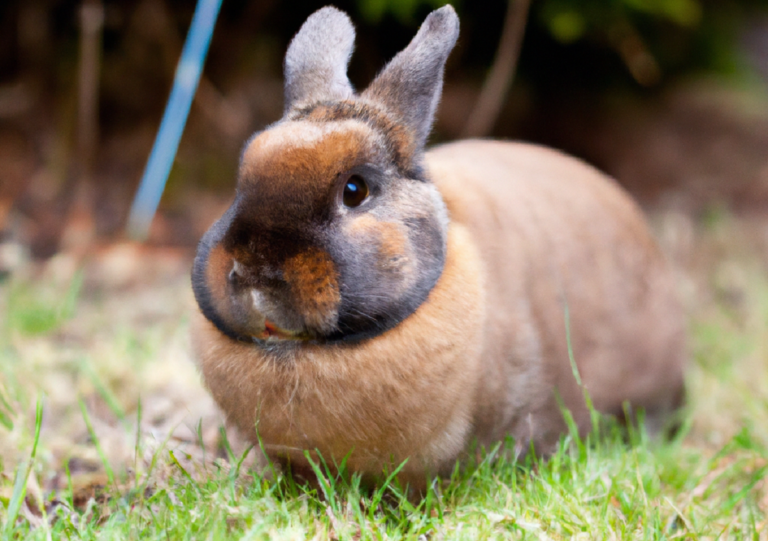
{"x": 406, "y": 395}
{"x": 271, "y": 155}
{"x": 390, "y": 241}
{"x": 436, "y": 312}
{"x": 219, "y": 265}
{"x": 401, "y": 141}
{"x": 553, "y": 231}
{"x": 232, "y": 307}
{"x": 486, "y": 354}
{"x": 312, "y": 278}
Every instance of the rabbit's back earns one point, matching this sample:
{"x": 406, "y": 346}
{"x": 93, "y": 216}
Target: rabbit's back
{"x": 558, "y": 239}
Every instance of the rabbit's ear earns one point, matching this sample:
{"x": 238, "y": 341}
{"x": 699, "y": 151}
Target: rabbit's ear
{"x": 316, "y": 61}
{"x": 411, "y": 84}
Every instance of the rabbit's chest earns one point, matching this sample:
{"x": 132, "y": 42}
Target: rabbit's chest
{"x": 407, "y": 393}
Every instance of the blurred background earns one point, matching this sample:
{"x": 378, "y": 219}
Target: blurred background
{"x": 669, "y": 96}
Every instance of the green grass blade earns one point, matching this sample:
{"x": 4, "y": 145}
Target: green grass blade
{"x": 6, "y": 411}
{"x": 97, "y": 443}
{"x": 326, "y": 485}
{"x": 181, "y": 468}
{"x": 137, "y": 444}
{"x": 22, "y": 474}
{"x": 106, "y": 395}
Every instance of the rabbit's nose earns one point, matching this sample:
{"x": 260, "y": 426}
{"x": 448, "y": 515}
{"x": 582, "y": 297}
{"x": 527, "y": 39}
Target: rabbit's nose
{"x": 263, "y": 276}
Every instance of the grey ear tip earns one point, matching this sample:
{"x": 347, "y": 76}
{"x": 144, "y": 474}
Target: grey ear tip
{"x": 329, "y": 26}
{"x": 443, "y": 19}
{"x": 316, "y": 62}
{"x": 332, "y": 13}
{"x": 330, "y": 9}
{"x": 446, "y": 10}
{"x": 445, "y": 15}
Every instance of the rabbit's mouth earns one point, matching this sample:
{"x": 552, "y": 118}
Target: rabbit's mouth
{"x": 272, "y": 333}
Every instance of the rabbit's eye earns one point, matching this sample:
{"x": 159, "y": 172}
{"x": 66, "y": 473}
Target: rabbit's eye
{"x": 355, "y": 191}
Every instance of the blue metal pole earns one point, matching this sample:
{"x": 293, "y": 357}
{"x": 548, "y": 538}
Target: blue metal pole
{"x": 185, "y": 83}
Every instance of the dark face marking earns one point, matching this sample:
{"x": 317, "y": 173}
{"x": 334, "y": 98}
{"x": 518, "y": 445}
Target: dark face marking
{"x": 389, "y": 273}
{"x": 313, "y": 263}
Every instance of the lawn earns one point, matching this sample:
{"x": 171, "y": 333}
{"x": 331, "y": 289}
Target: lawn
{"x": 106, "y": 431}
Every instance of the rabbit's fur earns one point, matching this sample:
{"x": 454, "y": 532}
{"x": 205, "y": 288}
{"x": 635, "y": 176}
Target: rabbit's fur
{"x": 434, "y": 313}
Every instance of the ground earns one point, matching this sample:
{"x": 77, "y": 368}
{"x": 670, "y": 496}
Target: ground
{"x": 130, "y": 445}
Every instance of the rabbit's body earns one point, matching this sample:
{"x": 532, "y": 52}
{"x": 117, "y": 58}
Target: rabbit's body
{"x": 558, "y": 239}
{"x": 365, "y": 299}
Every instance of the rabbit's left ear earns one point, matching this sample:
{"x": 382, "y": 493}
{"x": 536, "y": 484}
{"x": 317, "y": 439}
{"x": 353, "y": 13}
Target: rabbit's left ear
{"x": 411, "y": 84}
{"x": 317, "y": 59}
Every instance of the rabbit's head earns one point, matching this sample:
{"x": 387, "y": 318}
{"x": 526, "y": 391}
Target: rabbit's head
{"x": 336, "y": 232}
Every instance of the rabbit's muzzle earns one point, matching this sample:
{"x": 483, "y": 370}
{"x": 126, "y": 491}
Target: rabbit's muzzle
{"x": 299, "y": 300}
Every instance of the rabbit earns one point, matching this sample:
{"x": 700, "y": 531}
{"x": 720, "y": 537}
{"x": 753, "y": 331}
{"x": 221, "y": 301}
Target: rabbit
{"x": 366, "y": 299}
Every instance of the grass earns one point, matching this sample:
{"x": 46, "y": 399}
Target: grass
{"x": 101, "y": 433}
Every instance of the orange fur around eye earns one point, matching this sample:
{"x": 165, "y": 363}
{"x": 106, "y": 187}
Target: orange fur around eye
{"x": 305, "y": 155}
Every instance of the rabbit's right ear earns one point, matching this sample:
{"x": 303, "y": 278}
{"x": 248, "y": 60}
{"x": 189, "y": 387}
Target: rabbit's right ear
{"x": 411, "y": 84}
{"x": 317, "y": 59}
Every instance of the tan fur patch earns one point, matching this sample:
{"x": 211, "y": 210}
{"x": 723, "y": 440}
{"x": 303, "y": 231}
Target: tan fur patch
{"x": 486, "y": 355}
{"x": 363, "y": 225}
{"x": 405, "y": 394}
{"x": 394, "y": 252}
{"x": 304, "y": 152}
{"x": 393, "y": 245}
{"x": 391, "y": 239}
{"x": 219, "y": 265}
{"x": 314, "y": 286}
{"x": 400, "y": 140}
{"x": 234, "y": 309}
